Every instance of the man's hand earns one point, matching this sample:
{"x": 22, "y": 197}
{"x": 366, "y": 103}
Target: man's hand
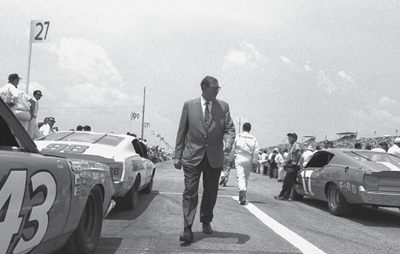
{"x": 227, "y": 147}
{"x": 178, "y": 164}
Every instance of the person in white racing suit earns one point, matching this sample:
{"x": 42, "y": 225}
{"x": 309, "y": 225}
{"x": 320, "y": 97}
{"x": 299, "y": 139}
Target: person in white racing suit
{"x": 245, "y": 150}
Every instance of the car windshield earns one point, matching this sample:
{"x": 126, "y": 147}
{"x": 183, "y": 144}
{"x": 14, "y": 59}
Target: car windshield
{"x": 376, "y": 157}
{"x": 93, "y": 138}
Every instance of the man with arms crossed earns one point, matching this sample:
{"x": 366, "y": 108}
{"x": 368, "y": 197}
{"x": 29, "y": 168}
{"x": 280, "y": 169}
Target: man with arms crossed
{"x": 293, "y": 166}
{"x": 204, "y": 126}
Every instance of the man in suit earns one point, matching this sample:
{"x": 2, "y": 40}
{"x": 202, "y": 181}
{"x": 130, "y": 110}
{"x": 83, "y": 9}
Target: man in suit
{"x": 204, "y": 126}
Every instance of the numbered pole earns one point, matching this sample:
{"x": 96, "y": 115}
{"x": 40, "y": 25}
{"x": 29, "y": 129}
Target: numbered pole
{"x": 39, "y": 33}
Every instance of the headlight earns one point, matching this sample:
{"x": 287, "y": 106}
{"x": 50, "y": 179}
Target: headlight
{"x": 371, "y": 183}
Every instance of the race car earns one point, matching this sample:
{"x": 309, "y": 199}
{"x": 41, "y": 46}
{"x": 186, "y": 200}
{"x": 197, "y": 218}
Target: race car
{"x": 346, "y": 178}
{"x": 48, "y": 203}
{"x": 131, "y": 170}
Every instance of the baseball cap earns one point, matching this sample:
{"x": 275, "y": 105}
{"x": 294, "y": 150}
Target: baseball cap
{"x": 38, "y": 92}
{"x": 13, "y": 76}
{"x": 397, "y": 140}
{"x": 293, "y": 135}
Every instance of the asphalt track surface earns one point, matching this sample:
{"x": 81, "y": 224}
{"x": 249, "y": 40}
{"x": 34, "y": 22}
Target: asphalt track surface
{"x": 263, "y": 225}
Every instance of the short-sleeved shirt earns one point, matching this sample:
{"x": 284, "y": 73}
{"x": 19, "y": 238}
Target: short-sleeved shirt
{"x": 9, "y": 93}
{"x": 292, "y": 152}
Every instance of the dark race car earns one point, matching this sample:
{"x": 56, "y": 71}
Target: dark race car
{"x": 48, "y": 203}
{"x": 346, "y": 178}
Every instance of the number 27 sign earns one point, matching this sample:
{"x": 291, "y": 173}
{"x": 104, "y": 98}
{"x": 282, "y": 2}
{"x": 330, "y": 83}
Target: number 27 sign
{"x": 40, "y": 31}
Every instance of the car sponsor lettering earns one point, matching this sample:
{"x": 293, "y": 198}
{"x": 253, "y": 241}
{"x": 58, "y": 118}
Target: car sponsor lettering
{"x": 347, "y": 187}
{"x": 24, "y": 222}
{"x": 56, "y": 147}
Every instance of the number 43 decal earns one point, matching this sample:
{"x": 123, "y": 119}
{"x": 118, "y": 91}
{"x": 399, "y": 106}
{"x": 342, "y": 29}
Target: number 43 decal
{"x": 23, "y": 225}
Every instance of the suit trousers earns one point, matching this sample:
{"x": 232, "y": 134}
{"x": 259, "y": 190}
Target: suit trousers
{"x": 210, "y": 191}
{"x": 288, "y": 181}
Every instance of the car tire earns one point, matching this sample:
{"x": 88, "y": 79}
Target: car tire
{"x": 149, "y": 186}
{"x": 131, "y": 198}
{"x": 86, "y": 236}
{"x": 337, "y": 204}
{"x": 296, "y": 196}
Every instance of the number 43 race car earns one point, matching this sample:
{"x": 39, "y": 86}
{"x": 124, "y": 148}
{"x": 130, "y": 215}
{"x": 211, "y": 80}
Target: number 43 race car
{"x": 48, "y": 203}
{"x": 346, "y": 178}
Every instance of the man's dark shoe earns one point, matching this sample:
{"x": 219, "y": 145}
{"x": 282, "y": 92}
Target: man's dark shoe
{"x": 280, "y": 198}
{"x": 187, "y": 236}
{"x": 243, "y": 202}
{"x": 207, "y": 228}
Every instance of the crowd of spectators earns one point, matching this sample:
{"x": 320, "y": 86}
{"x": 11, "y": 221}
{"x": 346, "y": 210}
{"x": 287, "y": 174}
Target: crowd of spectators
{"x": 346, "y": 142}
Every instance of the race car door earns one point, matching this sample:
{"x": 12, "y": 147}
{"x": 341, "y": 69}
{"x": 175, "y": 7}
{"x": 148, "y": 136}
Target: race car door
{"x": 312, "y": 185}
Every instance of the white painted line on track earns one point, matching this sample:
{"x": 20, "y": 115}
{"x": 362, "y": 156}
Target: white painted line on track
{"x": 290, "y": 236}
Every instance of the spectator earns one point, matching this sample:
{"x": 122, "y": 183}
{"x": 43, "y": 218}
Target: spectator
{"x": 280, "y": 163}
{"x": 368, "y": 146}
{"x": 383, "y": 147}
{"x": 87, "y": 128}
{"x": 308, "y": 153}
{"x": 79, "y": 128}
{"x": 357, "y": 146}
{"x": 395, "y": 149}
{"x": 47, "y": 127}
{"x": 33, "y": 129}
{"x": 21, "y": 104}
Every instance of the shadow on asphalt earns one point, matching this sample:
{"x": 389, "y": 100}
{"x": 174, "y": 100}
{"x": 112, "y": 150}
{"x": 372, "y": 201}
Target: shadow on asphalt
{"x": 199, "y": 236}
{"x": 364, "y": 215}
{"x": 108, "y": 245}
{"x": 142, "y": 205}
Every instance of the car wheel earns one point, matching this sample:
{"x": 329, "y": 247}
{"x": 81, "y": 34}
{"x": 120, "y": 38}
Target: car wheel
{"x": 337, "y": 204}
{"x": 131, "y": 198}
{"x": 295, "y": 195}
{"x": 149, "y": 186}
{"x": 86, "y": 237}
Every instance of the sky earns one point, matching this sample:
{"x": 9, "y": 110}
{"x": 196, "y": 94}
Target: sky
{"x": 315, "y": 68}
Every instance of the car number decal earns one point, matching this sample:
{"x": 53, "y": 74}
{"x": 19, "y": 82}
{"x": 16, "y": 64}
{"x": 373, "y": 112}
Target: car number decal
{"x": 306, "y": 177}
{"x": 24, "y": 227}
{"x": 55, "y": 147}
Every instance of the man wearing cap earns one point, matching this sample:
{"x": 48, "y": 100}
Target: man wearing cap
{"x": 33, "y": 129}
{"x": 383, "y": 147}
{"x": 245, "y": 149}
{"x": 395, "y": 149}
{"x": 21, "y": 104}
{"x": 293, "y": 167}
{"x": 47, "y": 127}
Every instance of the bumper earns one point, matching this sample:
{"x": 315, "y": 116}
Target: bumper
{"x": 379, "y": 198}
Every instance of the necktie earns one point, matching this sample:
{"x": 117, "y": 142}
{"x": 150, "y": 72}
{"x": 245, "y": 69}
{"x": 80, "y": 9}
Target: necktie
{"x": 207, "y": 113}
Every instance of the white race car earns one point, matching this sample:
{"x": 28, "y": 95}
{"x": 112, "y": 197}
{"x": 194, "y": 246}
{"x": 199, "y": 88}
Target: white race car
{"x": 130, "y": 170}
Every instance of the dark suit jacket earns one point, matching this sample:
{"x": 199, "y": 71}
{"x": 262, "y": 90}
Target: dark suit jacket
{"x": 195, "y": 138}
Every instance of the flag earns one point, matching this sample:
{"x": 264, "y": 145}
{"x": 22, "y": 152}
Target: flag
{"x": 39, "y": 31}
{"x": 158, "y": 135}
{"x": 397, "y": 130}
{"x": 135, "y": 115}
{"x": 146, "y": 125}
{"x": 153, "y": 133}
